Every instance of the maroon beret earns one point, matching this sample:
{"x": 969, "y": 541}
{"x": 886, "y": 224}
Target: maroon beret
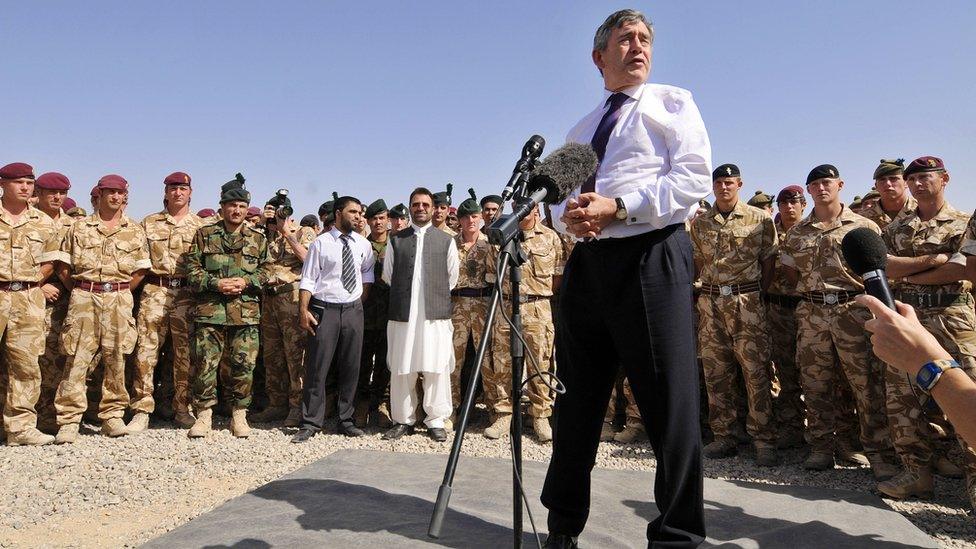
{"x": 113, "y": 181}
{"x": 52, "y": 181}
{"x": 68, "y": 204}
{"x": 94, "y": 192}
{"x": 793, "y": 191}
{"x": 177, "y": 178}
{"x": 206, "y": 212}
{"x": 924, "y": 164}
{"x": 17, "y": 170}
{"x": 253, "y": 210}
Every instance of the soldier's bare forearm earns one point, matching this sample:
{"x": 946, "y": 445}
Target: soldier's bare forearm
{"x": 791, "y": 275}
{"x": 899, "y": 267}
{"x": 366, "y": 287}
{"x": 64, "y": 275}
{"x": 137, "y": 278}
{"x": 947, "y": 273}
{"x": 47, "y": 269}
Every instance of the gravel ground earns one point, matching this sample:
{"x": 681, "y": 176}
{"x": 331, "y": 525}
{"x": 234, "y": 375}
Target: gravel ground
{"x": 133, "y": 489}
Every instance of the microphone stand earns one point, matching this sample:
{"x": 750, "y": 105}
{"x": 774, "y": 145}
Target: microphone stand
{"x": 511, "y": 259}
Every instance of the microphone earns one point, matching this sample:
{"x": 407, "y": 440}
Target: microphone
{"x": 561, "y": 173}
{"x": 865, "y": 252}
{"x": 530, "y": 153}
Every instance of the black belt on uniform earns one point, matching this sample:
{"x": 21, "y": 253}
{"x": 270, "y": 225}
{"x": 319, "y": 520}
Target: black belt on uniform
{"x": 316, "y": 303}
{"x": 281, "y": 288}
{"x": 172, "y": 282}
{"x": 925, "y": 301}
{"x": 726, "y": 290}
{"x": 471, "y": 292}
{"x": 830, "y": 298}
{"x": 787, "y": 301}
{"x": 529, "y": 298}
{"x": 17, "y": 286}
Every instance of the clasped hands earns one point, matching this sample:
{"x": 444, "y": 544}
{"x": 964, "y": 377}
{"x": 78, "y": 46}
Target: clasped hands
{"x": 231, "y": 286}
{"x": 587, "y": 215}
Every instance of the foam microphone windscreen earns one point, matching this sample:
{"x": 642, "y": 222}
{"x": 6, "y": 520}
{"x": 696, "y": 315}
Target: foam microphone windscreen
{"x": 564, "y": 171}
{"x": 864, "y": 251}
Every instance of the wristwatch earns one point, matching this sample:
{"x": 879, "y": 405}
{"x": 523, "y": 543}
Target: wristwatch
{"x": 931, "y": 372}
{"x": 621, "y": 209}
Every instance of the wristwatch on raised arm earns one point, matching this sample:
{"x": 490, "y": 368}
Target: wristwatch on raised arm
{"x": 621, "y": 209}
{"x": 931, "y": 372}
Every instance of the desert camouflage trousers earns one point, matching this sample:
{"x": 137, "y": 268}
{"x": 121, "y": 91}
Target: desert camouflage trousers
{"x": 788, "y": 408}
{"x": 97, "y": 325}
{"x": 209, "y": 342}
{"x": 732, "y": 334}
{"x": 283, "y": 349}
{"x": 833, "y": 348}
{"x": 163, "y": 313}
{"x": 496, "y": 375}
{"x": 21, "y": 342}
{"x": 631, "y": 410}
{"x": 468, "y": 315}
{"x": 955, "y": 329}
{"x": 52, "y": 360}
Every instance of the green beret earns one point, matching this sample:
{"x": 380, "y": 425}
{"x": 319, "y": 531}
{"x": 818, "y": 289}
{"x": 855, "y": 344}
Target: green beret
{"x": 889, "y": 167}
{"x": 760, "y": 199}
{"x": 469, "y": 206}
{"x": 493, "y": 198}
{"x": 872, "y": 194}
{"x": 444, "y": 197}
{"x": 234, "y": 190}
{"x": 398, "y": 212}
{"x": 376, "y": 208}
{"x": 856, "y": 202}
{"x": 823, "y": 171}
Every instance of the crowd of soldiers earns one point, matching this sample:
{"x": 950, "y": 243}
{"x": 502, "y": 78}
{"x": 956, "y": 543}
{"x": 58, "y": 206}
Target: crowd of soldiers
{"x": 167, "y": 317}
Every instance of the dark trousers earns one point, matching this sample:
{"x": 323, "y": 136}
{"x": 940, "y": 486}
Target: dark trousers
{"x": 339, "y": 335}
{"x": 374, "y": 375}
{"x": 628, "y": 302}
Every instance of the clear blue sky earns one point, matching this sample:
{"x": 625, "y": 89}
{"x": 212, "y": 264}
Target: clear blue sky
{"x": 372, "y": 99}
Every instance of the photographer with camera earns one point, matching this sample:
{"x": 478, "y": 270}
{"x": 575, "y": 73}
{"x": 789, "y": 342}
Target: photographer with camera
{"x": 287, "y": 247}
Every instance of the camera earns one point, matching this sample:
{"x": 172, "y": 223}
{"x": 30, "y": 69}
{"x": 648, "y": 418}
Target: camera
{"x": 282, "y": 206}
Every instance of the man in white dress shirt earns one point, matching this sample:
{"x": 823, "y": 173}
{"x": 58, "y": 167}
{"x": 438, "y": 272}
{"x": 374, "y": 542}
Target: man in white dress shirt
{"x": 421, "y": 267}
{"x": 626, "y": 295}
{"x": 335, "y": 281}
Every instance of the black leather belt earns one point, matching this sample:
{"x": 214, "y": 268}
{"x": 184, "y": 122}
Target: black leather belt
{"x": 529, "y": 298}
{"x": 787, "y": 301}
{"x": 471, "y": 292}
{"x": 281, "y": 289}
{"x": 172, "y": 282}
{"x": 925, "y": 301}
{"x": 315, "y": 303}
{"x": 830, "y": 298}
{"x": 726, "y": 290}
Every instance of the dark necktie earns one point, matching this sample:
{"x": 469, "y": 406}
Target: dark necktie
{"x": 348, "y": 270}
{"x": 602, "y": 134}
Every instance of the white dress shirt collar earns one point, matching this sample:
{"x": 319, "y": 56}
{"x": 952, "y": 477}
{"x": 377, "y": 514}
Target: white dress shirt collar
{"x": 633, "y": 92}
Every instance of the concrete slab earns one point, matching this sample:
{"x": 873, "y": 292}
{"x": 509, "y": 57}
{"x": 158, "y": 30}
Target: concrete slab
{"x": 357, "y": 498}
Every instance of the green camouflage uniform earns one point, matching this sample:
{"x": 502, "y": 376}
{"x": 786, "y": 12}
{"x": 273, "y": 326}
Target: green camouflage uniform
{"x": 374, "y": 375}
{"x": 953, "y": 325}
{"x": 732, "y": 328}
{"x": 226, "y": 321}
{"x": 545, "y": 262}
{"x": 832, "y": 345}
{"x": 283, "y": 340}
{"x": 25, "y": 245}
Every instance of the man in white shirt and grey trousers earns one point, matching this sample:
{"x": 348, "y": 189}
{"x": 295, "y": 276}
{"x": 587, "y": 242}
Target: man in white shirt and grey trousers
{"x": 421, "y": 267}
{"x": 336, "y": 277}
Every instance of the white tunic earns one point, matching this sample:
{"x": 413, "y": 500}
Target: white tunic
{"x": 420, "y": 345}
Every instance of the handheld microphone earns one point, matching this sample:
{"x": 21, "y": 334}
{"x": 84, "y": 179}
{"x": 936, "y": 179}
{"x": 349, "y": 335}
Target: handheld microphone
{"x": 530, "y": 153}
{"x": 865, "y": 252}
{"x": 561, "y": 173}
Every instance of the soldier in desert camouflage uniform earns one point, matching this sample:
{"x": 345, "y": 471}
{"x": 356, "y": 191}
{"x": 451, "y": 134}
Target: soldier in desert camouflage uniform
{"x": 929, "y": 273}
{"x": 734, "y": 246}
{"x": 28, "y": 242}
{"x": 282, "y": 339}
{"x": 891, "y": 197}
{"x": 374, "y": 375}
{"x": 165, "y": 305}
{"x": 227, "y": 266}
{"x": 469, "y": 298}
{"x": 832, "y": 344}
{"x": 541, "y": 273}
{"x": 52, "y": 189}
{"x": 104, "y": 256}
{"x": 442, "y": 208}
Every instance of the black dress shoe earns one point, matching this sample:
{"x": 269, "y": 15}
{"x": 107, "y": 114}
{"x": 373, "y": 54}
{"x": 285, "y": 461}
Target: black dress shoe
{"x": 350, "y": 430}
{"x": 398, "y": 431}
{"x": 303, "y": 435}
{"x": 438, "y": 434}
{"x": 559, "y": 541}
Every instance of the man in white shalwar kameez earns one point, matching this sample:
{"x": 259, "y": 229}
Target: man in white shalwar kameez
{"x": 421, "y": 267}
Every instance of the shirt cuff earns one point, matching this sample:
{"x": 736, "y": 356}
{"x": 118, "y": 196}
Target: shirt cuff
{"x": 787, "y": 261}
{"x": 63, "y": 257}
{"x": 958, "y": 258}
{"x": 307, "y": 285}
{"x": 636, "y": 207}
{"x": 143, "y": 264}
{"x": 369, "y": 277}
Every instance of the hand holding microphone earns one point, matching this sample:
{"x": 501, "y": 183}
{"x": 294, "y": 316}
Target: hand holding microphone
{"x": 866, "y": 254}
